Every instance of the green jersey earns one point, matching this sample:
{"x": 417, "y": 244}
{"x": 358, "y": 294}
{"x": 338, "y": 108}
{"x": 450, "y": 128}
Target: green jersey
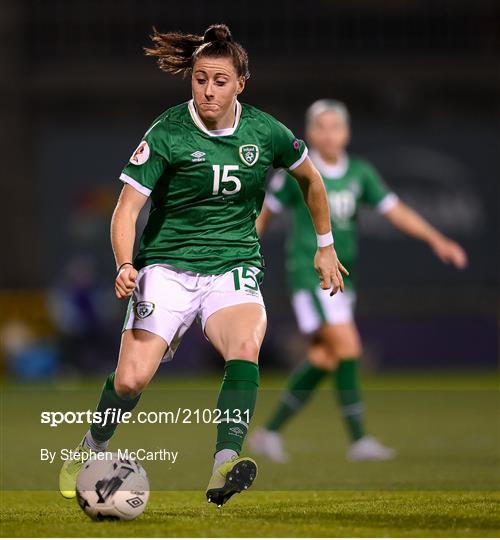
{"x": 207, "y": 187}
{"x": 348, "y": 184}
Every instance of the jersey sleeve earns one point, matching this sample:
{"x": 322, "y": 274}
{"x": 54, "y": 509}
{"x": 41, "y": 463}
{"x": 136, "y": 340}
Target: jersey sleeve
{"x": 280, "y": 193}
{"x": 289, "y": 152}
{"x": 148, "y": 161}
{"x": 375, "y": 191}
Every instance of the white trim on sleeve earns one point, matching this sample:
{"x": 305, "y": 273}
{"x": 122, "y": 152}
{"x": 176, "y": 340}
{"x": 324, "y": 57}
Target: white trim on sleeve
{"x": 126, "y": 179}
{"x": 299, "y": 161}
{"x": 387, "y": 203}
{"x": 273, "y": 203}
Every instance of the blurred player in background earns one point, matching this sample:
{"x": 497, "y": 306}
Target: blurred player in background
{"x": 204, "y": 164}
{"x": 335, "y": 347}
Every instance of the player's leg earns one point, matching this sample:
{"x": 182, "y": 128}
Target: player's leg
{"x": 234, "y": 320}
{"x": 237, "y": 333}
{"x": 303, "y": 382}
{"x": 343, "y": 342}
{"x": 154, "y": 325}
{"x": 140, "y": 354}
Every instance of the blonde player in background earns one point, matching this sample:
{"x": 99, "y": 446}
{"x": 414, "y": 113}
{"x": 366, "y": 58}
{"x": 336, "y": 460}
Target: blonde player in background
{"x": 335, "y": 348}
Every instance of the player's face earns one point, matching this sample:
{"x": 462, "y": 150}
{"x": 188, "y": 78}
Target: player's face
{"x": 329, "y": 134}
{"x": 215, "y": 85}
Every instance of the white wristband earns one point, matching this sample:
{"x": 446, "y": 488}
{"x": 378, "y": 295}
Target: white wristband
{"x": 325, "y": 239}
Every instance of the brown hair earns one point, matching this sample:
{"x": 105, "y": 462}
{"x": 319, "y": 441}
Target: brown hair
{"x": 176, "y": 53}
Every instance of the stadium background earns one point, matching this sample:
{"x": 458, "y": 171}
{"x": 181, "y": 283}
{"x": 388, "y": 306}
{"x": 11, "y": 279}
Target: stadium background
{"x": 421, "y": 81}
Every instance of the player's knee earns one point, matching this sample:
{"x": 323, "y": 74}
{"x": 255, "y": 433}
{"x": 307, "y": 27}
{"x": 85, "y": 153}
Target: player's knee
{"x": 350, "y": 350}
{"x": 129, "y": 386}
{"x": 246, "y": 349}
{"x": 320, "y": 358}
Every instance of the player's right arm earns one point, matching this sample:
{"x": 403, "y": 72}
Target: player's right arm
{"x": 140, "y": 176}
{"x": 123, "y": 223}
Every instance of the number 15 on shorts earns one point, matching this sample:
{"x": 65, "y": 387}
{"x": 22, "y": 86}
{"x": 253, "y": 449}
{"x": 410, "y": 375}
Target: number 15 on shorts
{"x": 245, "y": 278}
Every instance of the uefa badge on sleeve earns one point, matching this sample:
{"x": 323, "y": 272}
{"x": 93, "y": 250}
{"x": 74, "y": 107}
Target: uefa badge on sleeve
{"x": 141, "y": 154}
{"x": 249, "y": 154}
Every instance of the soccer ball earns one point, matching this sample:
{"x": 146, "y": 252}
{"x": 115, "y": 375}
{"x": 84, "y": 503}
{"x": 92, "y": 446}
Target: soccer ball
{"x": 113, "y": 488}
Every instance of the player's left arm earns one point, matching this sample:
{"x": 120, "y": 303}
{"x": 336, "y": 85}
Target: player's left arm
{"x": 291, "y": 154}
{"x": 412, "y": 223}
{"x": 327, "y": 265}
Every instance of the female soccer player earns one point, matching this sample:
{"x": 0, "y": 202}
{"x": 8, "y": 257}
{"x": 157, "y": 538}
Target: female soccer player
{"x": 203, "y": 163}
{"x": 335, "y": 344}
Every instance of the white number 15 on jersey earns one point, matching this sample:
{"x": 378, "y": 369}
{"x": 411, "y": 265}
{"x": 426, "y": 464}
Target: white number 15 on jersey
{"x": 226, "y": 179}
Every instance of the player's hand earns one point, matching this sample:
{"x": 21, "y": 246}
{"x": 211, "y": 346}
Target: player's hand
{"x": 125, "y": 281}
{"x": 329, "y": 269}
{"x": 449, "y": 251}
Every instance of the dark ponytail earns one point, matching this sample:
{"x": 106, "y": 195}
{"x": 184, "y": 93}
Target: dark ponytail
{"x": 176, "y": 53}
{"x": 217, "y": 32}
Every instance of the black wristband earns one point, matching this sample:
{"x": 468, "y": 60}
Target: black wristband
{"x": 122, "y": 265}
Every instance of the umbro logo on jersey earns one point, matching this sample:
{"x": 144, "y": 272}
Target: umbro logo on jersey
{"x": 198, "y": 156}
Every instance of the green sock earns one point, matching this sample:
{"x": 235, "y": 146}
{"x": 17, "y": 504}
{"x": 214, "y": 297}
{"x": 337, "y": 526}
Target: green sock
{"x": 110, "y": 400}
{"x": 346, "y": 380}
{"x": 300, "y": 388}
{"x": 236, "y": 401}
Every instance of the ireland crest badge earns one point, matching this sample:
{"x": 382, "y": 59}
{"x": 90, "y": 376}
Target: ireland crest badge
{"x": 144, "y": 309}
{"x": 249, "y": 154}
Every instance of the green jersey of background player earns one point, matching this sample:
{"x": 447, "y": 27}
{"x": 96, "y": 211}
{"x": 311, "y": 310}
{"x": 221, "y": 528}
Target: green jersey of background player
{"x": 349, "y": 183}
{"x": 336, "y": 346}
{"x": 203, "y": 164}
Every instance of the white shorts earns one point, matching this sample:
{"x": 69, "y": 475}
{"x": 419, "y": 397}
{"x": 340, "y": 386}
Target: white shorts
{"x": 316, "y": 307}
{"x": 167, "y": 300}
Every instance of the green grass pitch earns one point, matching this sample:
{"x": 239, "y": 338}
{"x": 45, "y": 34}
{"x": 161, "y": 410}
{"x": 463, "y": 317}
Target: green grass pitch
{"x": 295, "y": 514}
{"x": 444, "y": 481}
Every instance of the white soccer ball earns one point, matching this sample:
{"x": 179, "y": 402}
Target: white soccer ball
{"x": 112, "y": 488}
